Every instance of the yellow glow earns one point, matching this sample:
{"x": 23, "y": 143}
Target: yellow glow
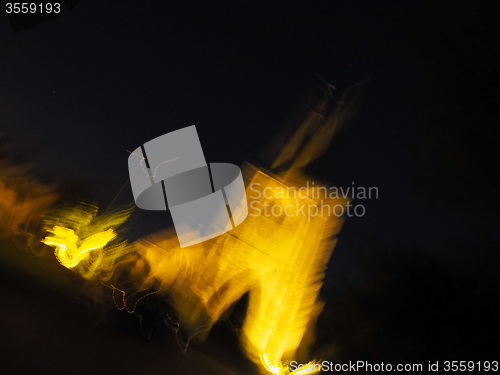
{"x": 68, "y": 252}
{"x": 279, "y": 260}
{"x": 279, "y": 369}
{"x": 82, "y": 240}
{"x": 271, "y": 368}
{"x": 277, "y": 257}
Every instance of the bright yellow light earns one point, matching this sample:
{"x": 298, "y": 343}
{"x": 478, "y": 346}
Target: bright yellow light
{"x": 68, "y": 252}
{"x": 277, "y": 256}
{"x": 82, "y": 240}
{"x": 278, "y": 370}
{"x": 279, "y": 260}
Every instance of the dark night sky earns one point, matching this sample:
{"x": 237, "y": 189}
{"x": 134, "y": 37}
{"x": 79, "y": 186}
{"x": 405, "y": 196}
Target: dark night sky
{"x": 108, "y": 76}
{"x": 115, "y": 77}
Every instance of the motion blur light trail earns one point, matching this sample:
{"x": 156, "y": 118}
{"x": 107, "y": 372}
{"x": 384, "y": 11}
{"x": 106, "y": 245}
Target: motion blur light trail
{"x": 68, "y": 252}
{"x": 278, "y": 260}
{"x": 284, "y": 370}
{"x": 82, "y": 240}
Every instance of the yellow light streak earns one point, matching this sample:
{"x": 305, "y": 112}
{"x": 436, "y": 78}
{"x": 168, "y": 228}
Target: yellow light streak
{"x": 278, "y": 370}
{"x": 83, "y": 240}
{"x": 68, "y": 253}
{"x": 124, "y": 302}
{"x": 278, "y": 260}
